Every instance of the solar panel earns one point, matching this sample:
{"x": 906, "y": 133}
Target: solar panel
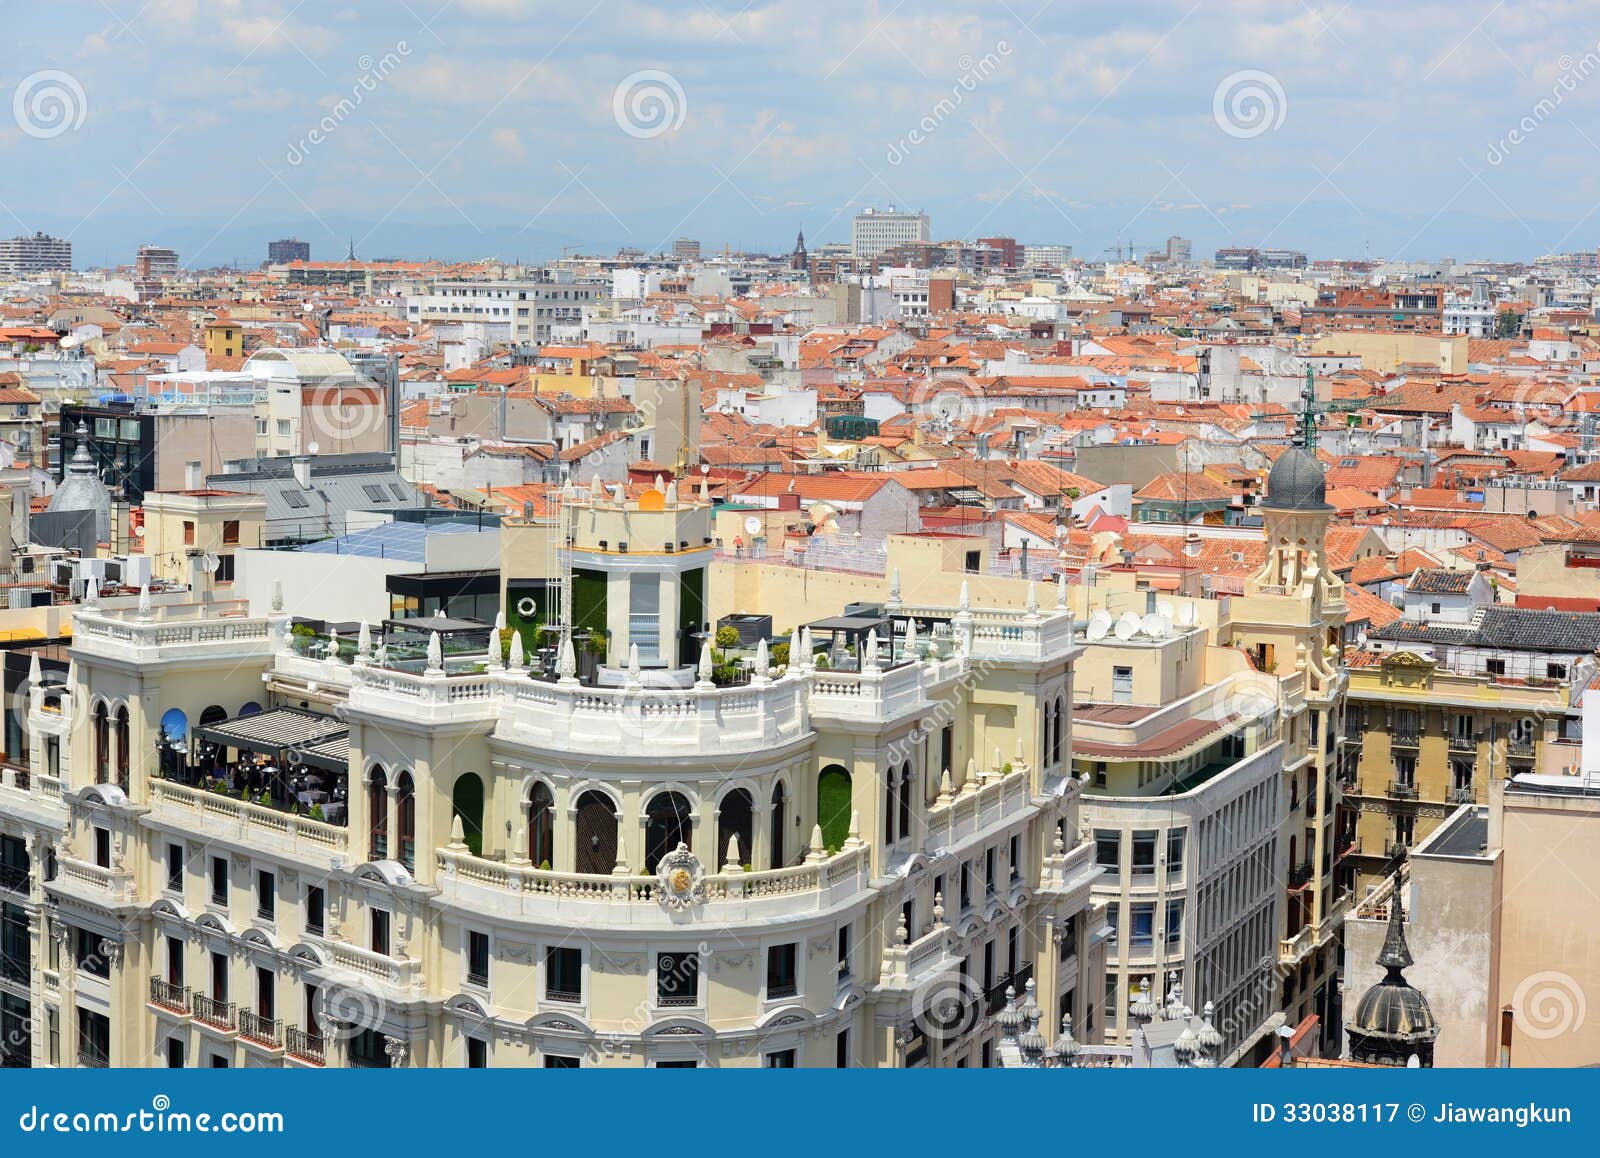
{"x": 295, "y": 499}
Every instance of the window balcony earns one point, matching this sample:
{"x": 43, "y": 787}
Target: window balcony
{"x": 168, "y": 996}
{"x": 1300, "y": 875}
{"x": 1465, "y": 744}
{"x": 1402, "y": 790}
{"x": 1461, "y": 794}
{"x": 305, "y": 1047}
{"x": 1517, "y": 746}
{"x": 217, "y": 1014}
{"x": 1395, "y": 849}
{"x": 1406, "y": 739}
{"x": 261, "y": 1030}
{"x": 995, "y": 995}
{"x": 92, "y": 1059}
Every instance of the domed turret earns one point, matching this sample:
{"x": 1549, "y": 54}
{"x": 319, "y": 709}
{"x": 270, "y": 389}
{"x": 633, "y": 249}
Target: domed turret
{"x": 81, "y": 489}
{"x": 1296, "y": 483}
{"x": 1393, "y": 1020}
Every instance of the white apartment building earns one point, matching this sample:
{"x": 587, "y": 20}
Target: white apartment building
{"x": 873, "y": 231}
{"x": 1473, "y": 316}
{"x": 518, "y": 311}
{"x": 40, "y": 253}
{"x": 234, "y": 846}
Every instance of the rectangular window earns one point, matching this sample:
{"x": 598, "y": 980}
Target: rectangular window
{"x": 677, "y": 979}
{"x": 644, "y": 617}
{"x": 477, "y": 958}
{"x": 314, "y": 907}
{"x": 1495, "y": 667}
{"x": 1174, "y": 850}
{"x": 1555, "y": 671}
{"x": 782, "y": 978}
{"x": 230, "y": 532}
{"x": 947, "y": 747}
{"x": 102, "y": 847}
{"x": 1141, "y": 919}
{"x": 844, "y": 951}
{"x": 1122, "y": 685}
{"x": 555, "y": 1061}
{"x": 1113, "y": 921}
{"x": 477, "y": 1054}
{"x": 988, "y": 872}
{"x": 1174, "y": 922}
{"x": 219, "y": 880}
{"x": 1015, "y": 857}
{"x": 1144, "y": 851}
{"x": 188, "y": 532}
{"x": 175, "y": 868}
{"x": 266, "y": 994}
{"x": 783, "y": 1059}
{"x": 380, "y": 931}
{"x": 564, "y": 974}
{"x": 841, "y": 1050}
{"x": 219, "y": 977}
{"x": 266, "y": 896}
{"x": 1108, "y": 848}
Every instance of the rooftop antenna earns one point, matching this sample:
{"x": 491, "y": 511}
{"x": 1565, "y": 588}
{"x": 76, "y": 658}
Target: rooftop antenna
{"x": 1308, "y": 415}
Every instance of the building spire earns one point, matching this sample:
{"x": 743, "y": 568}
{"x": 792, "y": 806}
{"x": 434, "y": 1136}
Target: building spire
{"x": 1396, "y": 954}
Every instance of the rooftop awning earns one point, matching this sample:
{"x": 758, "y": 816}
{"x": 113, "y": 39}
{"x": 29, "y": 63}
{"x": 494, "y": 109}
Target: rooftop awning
{"x": 276, "y": 731}
{"x": 334, "y": 754}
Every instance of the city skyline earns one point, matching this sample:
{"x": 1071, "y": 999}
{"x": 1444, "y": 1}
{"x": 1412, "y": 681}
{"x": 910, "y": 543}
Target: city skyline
{"x": 498, "y": 129}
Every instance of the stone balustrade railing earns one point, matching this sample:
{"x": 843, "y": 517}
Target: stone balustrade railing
{"x": 977, "y": 805}
{"x": 622, "y": 898}
{"x": 250, "y": 821}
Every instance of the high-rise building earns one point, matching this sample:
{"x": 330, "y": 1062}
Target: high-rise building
{"x": 686, "y": 249}
{"x": 873, "y": 231}
{"x": 40, "y": 253}
{"x": 155, "y": 262}
{"x": 288, "y": 249}
{"x": 1180, "y": 250}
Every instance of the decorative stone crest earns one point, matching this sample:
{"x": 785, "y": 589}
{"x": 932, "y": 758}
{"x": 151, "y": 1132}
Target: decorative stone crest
{"x": 681, "y": 880}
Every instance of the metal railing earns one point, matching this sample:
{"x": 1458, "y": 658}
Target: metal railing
{"x": 304, "y": 1045}
{"x": 1407, "y": 739}
{"x": 265, "y": 1030}
{"x": 93, "y": 1059}
{"x": 169, "y": 996}
{"x": 1461, "y": 794}
{"x": 1401, "y": 790}
{"x": 213, "y": 1012}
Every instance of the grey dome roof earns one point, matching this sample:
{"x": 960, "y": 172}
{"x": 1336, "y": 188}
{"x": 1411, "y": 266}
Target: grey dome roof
{"x": 82, "y": 490}
{"x": 1394, "y": 1010}
{"x": 1297, "y": 483}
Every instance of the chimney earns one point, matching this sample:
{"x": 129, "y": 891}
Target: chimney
{"x": 192, "y": 479}
{"x": 302, "y": 471}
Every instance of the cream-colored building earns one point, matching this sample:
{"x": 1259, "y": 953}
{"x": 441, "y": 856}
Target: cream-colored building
{"x": 455, "y": 861}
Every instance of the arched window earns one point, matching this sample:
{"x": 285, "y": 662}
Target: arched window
{"x": 1055, "y": 736}
{"x": 378, "y": 815}
{"x": 667, "y": 825}
{"x": 466, "y": 801}
{"x": 405, "y": 818}
{"x": 1046, "y": 726}
{"x": 102, "y": 743}
{"x": 905, "y": 800}
{"x": 541, "y": 826}
{"x": 174, "y": 743}
{"x": 834, "y": 806}
{"x": 119, "y": 729}
{"x": 779, "y": 827}
{"x": 596, "y": 837}
{"x": 736, "y": 820}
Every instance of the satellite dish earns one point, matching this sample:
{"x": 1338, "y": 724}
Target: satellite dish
{"x": 1127, "y": 625}
{"x": 1186, "y": 615}
{"x": 138, "y": 532}
{"x": 1099, "y": 625}
{"x": 752, "y": 525}
{"x": 210, "y": 563}
{"x": 312, "y": 448}
{"x": 1154, "y": 626}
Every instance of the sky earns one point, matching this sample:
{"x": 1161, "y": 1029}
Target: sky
{"x": 463, "y": 129}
